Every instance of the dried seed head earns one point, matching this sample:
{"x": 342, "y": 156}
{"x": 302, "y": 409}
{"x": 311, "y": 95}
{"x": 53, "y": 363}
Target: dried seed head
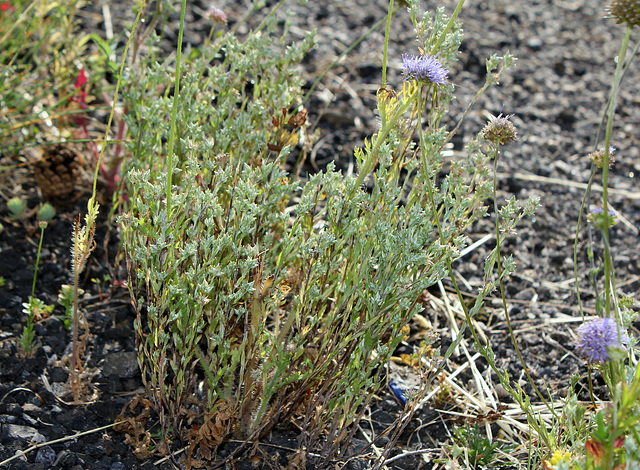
{"x": 500, "y": 130}
{"x": 625, "y": 11}
{"x": 597, "y": 157}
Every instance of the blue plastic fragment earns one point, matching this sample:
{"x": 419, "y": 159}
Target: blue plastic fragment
{"x": 397, "y": 391}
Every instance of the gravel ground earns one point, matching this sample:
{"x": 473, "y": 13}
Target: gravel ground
{"x": 565, "y": 52}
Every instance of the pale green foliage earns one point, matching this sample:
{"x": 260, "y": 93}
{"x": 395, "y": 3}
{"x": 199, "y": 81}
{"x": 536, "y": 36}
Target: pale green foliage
{"x": 228, "y": 98}
{"x": 269, "y": 297}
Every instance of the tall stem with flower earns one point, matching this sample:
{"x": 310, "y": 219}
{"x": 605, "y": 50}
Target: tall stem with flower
{"x": 604, "y": 341}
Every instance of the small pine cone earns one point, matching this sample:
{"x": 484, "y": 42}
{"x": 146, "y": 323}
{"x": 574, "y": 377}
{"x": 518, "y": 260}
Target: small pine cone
{"x": 56, "y": 172}
{"x": 625, "y": 11}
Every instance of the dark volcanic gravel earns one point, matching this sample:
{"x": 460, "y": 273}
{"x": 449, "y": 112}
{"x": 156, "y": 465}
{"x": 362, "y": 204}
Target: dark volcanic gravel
{"x": 565, "y": 51}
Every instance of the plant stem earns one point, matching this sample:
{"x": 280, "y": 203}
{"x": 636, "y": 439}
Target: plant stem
{"x": 115, "y": 100}
{"x": 76, "y": 272}
{"x": 455, "y": 14}
{"x": 386, "y": 44}
{"x": 35, "y": 272}
{"x": 174, "y": 110}
{"x": 502, "y": 292}
{"x": 341, "y": 56}
{"x": 608, "y": 265}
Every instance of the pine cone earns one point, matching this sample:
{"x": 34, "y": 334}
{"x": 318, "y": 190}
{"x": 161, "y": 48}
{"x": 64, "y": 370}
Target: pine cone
{"x": 56, "y": 172}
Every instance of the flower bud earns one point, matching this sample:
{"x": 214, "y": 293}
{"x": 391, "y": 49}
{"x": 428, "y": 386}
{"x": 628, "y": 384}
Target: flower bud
{"x": 46, "y": 212}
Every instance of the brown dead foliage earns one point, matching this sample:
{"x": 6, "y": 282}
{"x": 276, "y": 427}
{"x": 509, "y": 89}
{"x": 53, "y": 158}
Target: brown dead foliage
{"x": 134, "y": 426}
{"x": 210, "y": 435}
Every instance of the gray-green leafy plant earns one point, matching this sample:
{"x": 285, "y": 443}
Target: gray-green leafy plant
{"x": 261, "y": 298}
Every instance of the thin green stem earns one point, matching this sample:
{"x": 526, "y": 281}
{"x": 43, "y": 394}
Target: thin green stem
{"x": 608, "y": 264}
{"x": 341, "y": 56}
{"x": 476, "y": 338}
{"x": 386, "y": 44}
{"x": 35, "y": 272}
{"x": 575, "y": 241}
{"x": 450, "y": 24}
{"x": 115, "y": 100}
{"x": 271, "y": 13}
{"x": 174, "y": 110}
{"x": 585, "y": 198}
{"x": 502, "y": 291}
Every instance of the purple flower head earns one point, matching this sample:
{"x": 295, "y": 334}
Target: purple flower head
{"x": 425, "y": 68}
{"x": 597, "y": 218}
{"x": 597, "y": 336}
{"x": 600, "y": 210}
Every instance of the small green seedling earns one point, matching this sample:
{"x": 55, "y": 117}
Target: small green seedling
{"x": 17, "y": 208}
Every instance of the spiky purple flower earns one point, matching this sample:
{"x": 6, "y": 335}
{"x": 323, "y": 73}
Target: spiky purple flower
{"x": 600, "y": 210}
{"x": 425, "y": 68}
{"x": 597, "y": 336}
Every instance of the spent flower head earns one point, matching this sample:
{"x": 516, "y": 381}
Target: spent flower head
{"x": 625, "y": 11}
{"x": 597, "y": 338}
{"x": 500, "y": 130}
{"x": 424, "y": 68}
{"x": 216, "y": 14}
{"x": 597, "y": 157}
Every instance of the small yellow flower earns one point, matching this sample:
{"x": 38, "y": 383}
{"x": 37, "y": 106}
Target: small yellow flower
{"x": 558, "y": 457}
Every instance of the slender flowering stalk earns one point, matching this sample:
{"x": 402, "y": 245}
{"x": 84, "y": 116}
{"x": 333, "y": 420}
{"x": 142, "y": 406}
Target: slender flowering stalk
{"x": 597, "y": 338}
{"x": 426, "y": 69}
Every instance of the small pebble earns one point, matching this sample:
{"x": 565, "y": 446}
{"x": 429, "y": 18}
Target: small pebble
{"x": 45, "y": 455}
